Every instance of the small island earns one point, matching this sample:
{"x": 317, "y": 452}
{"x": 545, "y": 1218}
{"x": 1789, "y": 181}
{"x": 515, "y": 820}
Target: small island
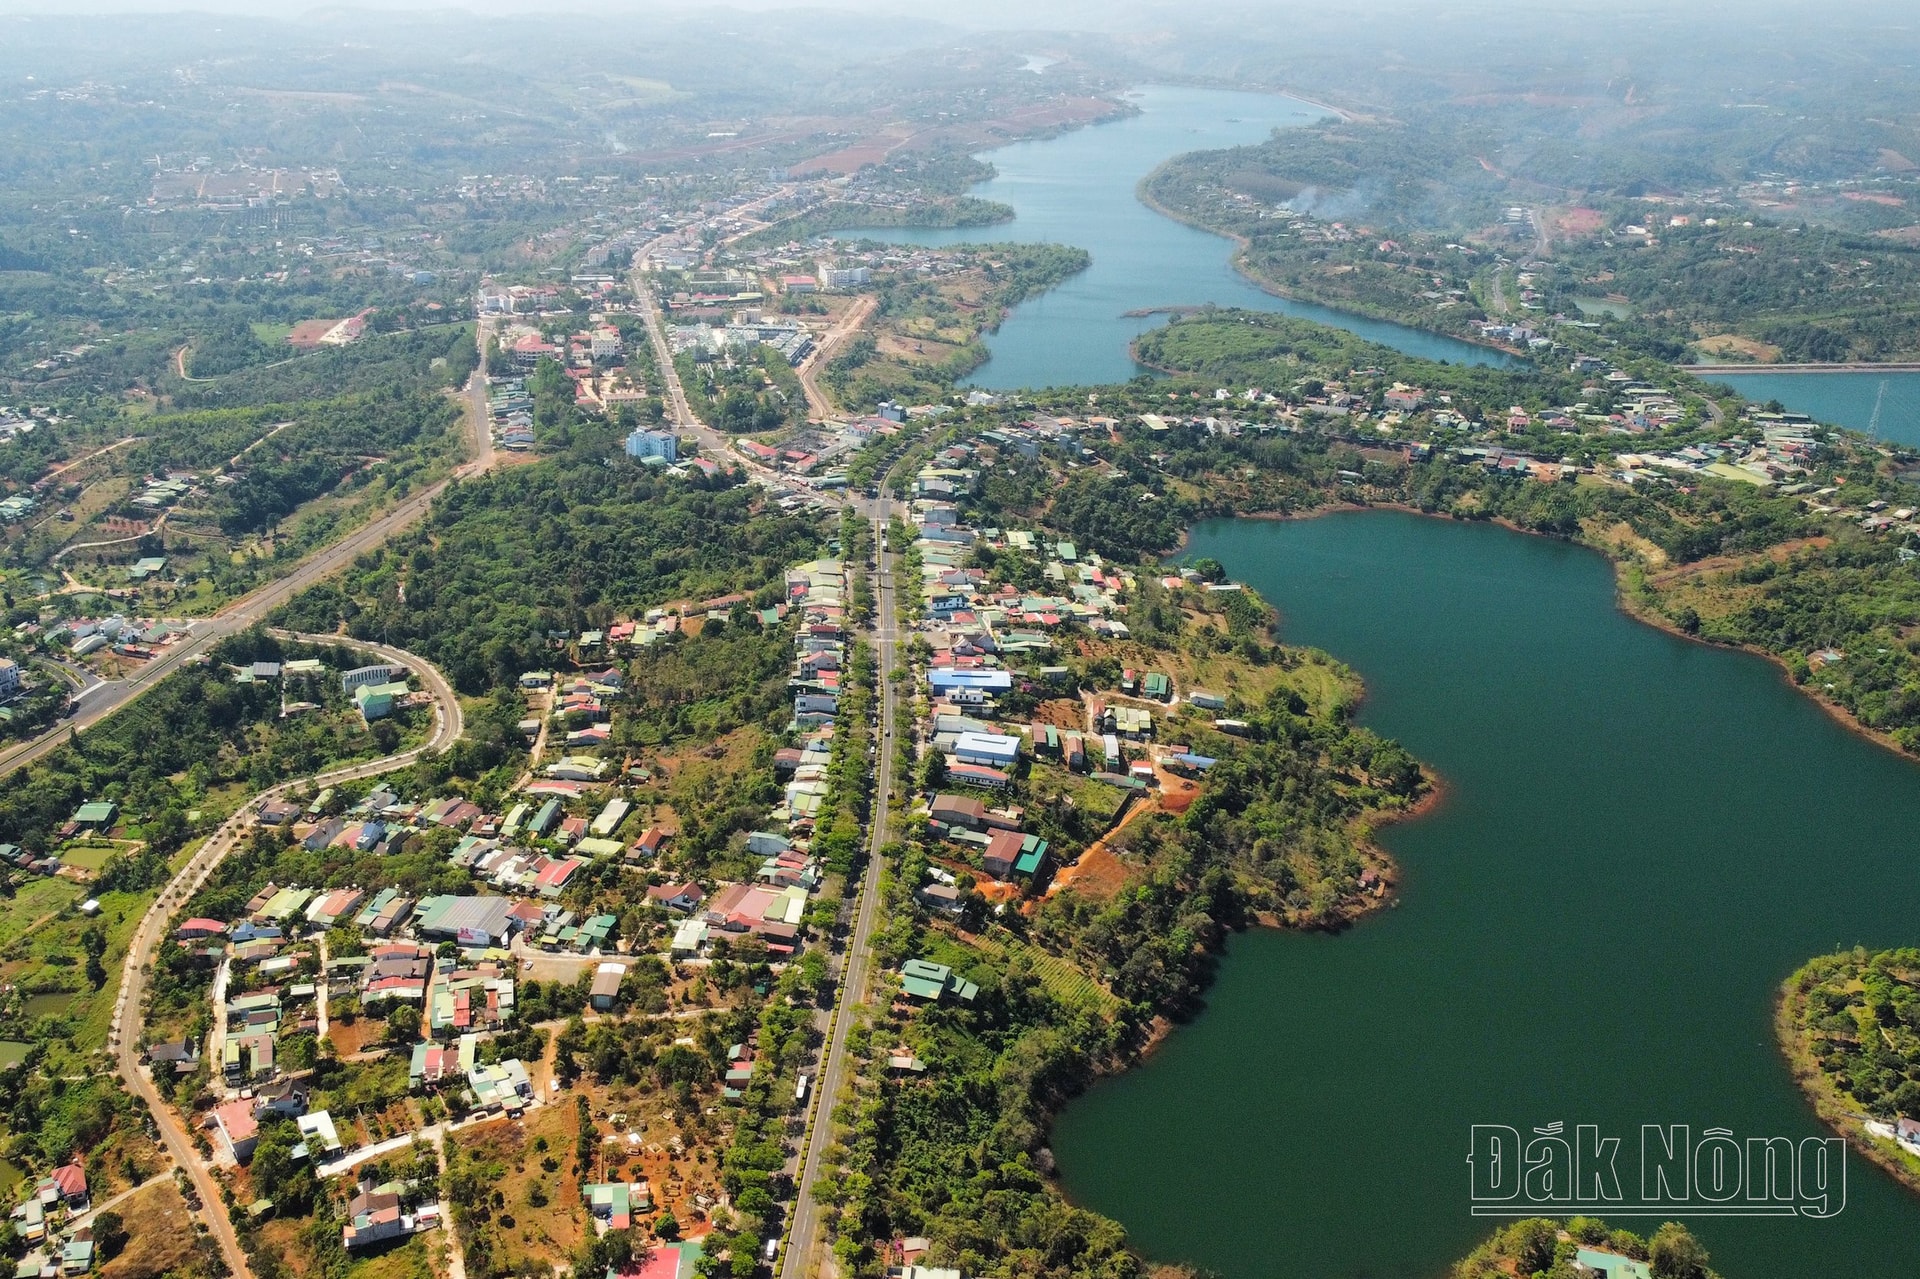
{"x": 1849, "y": 1024}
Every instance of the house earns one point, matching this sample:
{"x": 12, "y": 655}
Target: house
{"x": 944, "y": 898}
{"x": 198, "y": 929}
{"x": 681, "y": 897}
{"x": 933, "y": 982}
{"x": 1610, "y": 1264}
{"x": 688, "y": 938}
{"x": 470, "y": 921}
{"x": 766, "y": 844}
{"x": 373, "y": 1218}
{"x": 181, "y": 1055}
{"x": 957, "y": 810}
{"x": 97, "y": 815}
{"x": 237, "y": 1129}
{"x": 977, "y": 775}
{"x": 432, "y": 1063}
{"x": 318, "y": 1134}
{"x": 616, "y": 1202}
{"x": 988, "y": 750}
{"x": 69, "y": 1186}
{"x": 606, "y": 986}
{"x": 661, "y": 1261}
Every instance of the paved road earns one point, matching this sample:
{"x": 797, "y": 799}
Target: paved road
{"x": 111, "y": 695}
{"x": 850, "y": 323}
{"x": 714, "y": 444}
{"x": 129, "y": 1009}
{"x": 804, "y": 1238}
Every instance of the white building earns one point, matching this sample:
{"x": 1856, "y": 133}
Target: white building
{"x": 844, "y": 277}
{"x": 644, "y": 445}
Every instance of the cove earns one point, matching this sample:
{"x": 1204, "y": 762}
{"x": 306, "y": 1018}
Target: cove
{"x": 1840, "y": 398}
{"x": 1640, "y": 838}
{"x": 1078, "y": 188}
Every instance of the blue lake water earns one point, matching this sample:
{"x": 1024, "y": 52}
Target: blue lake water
{"x": 1079, "y": 189}
{"x": 1840, "y": 399}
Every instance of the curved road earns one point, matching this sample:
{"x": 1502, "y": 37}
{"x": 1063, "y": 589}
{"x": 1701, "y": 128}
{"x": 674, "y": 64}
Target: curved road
{"x": 128, "y": 1011}
{"x": 248, "y": 609}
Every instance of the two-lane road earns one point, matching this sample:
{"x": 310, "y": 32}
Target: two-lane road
{"x": 125, "y": 1034}
{"x": 803, "y": 1239}
{"x": 106, "y": 698}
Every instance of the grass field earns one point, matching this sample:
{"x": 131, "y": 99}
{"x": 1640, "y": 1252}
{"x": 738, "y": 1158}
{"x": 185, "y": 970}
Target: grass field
{"x": 160, "y": 1235}
{"x": 36, "y": 898}
{"x": 88, "y": 856}
{"x": 272, "y": 334}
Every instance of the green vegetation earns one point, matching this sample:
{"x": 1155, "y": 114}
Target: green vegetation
{"x": 1546, "y": 1250}
{"x": 757, "y": 391}
{"x": 840, "y": 215}
{"x": 1849, "y": 1024}
{"x": 926, "y": 334}
{"x": 559, "y": 546}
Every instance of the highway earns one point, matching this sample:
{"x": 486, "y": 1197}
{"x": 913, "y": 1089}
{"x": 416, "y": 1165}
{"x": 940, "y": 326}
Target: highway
{"x": 803, "y": 1240}
{"x": 109, "y": 696}
{"x": 124, "y": 1036}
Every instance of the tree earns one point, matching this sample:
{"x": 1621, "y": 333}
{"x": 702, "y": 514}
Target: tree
{"x": 1531, "y": 1244}
{"x": 666, "y": 1226}
{"x": 94, "y": 943}
{"x": 403, "y": 1022}
{"x": 1673, "y": 1253}
{"x": 109, "y": 1234}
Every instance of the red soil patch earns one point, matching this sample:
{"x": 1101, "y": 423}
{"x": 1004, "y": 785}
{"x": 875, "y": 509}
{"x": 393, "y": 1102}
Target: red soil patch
{"x": 1580, "y": 221}
{"x": 1062, "y": 712}
{"x": 1098, "y": 874}
{"x": 309, "y": 332}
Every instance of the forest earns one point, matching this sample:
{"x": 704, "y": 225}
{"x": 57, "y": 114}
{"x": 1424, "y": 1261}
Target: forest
{"x": 568, "y": 543}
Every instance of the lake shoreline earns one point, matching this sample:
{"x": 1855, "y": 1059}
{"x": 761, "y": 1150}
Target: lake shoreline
{"x": 1237, "y": 260}
{"x": 1826, "y": 1102}
{"x": 1623, "y": 598}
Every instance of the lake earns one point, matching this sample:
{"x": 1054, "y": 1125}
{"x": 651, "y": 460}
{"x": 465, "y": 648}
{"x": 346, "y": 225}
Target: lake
{"x": 1640, "y": 838}
{"x": 1078, "y": 188}
{"x": 1840, "y": 399}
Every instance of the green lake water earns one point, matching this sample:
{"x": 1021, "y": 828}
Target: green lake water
{"x": 1078, "y": 189}
{"x": 1640, "y": 838}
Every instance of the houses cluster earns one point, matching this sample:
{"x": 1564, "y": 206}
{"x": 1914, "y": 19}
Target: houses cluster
{"x": 94, "y": 817}
{"x": 274, "y": 979}
{"x": 987, "y": 639}
{"x": 1786, "y": 451}
{"x": 47, "y": 1223}
{"x": 510, "y": 406}
{"x": 136, "y": 637}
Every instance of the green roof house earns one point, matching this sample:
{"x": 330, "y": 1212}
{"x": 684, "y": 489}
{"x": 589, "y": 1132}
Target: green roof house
{"x": 931, "y": 982}
{"x": 97, "y": 815}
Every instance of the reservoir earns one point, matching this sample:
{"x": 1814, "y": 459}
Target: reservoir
{"x": 1078, "y": 189}
{"x": 1841, "y": 398}
{"x": 1640, "y": 838}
